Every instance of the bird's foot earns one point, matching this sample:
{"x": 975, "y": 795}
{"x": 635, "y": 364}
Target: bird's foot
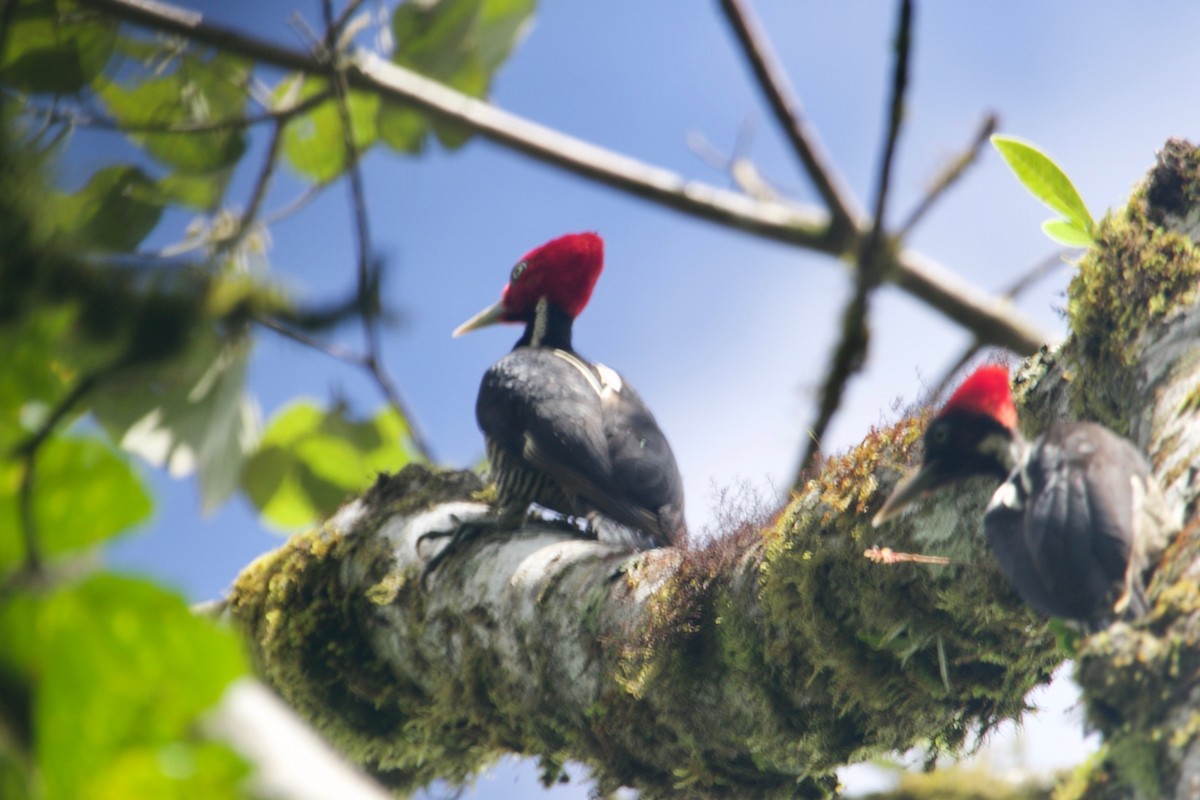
{"x": 570, "y": 523}
{"x": 609, "y": 531}
{"x": 460, "y": 536}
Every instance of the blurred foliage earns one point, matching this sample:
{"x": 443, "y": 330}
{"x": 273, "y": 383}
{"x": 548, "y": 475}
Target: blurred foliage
{"x": 964, "y": 782}
{"x": 309, "y": 461}
{"x": 122, "y": 353}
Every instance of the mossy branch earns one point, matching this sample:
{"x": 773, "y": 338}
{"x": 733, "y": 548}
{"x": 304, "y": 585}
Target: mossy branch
{"x": 756, "y": 665}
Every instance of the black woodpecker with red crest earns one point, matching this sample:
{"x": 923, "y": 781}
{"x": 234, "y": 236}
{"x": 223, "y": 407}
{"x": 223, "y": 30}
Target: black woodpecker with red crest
{"x": 566, "y": 433}
{"x": 1078, "y": 518}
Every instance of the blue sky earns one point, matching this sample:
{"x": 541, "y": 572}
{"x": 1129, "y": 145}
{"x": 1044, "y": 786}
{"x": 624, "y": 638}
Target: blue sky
{"x": 724, "y": 335}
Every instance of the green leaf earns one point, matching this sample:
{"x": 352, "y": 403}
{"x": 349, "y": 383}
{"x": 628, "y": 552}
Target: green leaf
{"x": 313, "y": 142}
{"x": 311, "y": 460}
{"x": 113, "y": 212}
{"x": 197, "y": 92}
{"x": 124, "y": 673}
{"x": 402, "y": 128}
{"x": 187, "y": 415}
{"x": 1045, "y": 180}
{"x": 460, "y": 43}
{"x": 12, "y": 782}
{"x": 83, "y": 493}
{"x": 1067, "y": 233}
{"x": 34, "y": 379}
{"x": 201, "y": 192}
{"x": 55, "y": 48}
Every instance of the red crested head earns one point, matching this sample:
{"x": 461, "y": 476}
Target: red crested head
{"x": 986, "y": 392}
{"x": 563, "y": 270}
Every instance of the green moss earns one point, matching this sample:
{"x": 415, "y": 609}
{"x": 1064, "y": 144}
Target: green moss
{"x": 309, "y": 639}
{"x": 962, "y": 783}
{"x": 899, "y": 653}
{"x": 1136, "y": 275}
{"x": 1136, "y": 677}
{"x": 1173, "y": 187}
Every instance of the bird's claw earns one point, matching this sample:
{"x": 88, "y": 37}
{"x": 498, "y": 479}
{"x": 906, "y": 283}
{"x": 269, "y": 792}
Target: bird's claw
{"x": 464, "y": 533}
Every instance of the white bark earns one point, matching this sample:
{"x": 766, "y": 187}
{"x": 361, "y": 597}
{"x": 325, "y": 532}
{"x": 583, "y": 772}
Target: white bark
{"x": 755, "y": 666}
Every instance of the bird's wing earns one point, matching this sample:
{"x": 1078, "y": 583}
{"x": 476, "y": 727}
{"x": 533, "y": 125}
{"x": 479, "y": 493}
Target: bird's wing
{"x": 1080, "y": 512}
{"x": 547, "y": 407}
{"x": 1004, "y": 525}
{"x": 643, "y": 465}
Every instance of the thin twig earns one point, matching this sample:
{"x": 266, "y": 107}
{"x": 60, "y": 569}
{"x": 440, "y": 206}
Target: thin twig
{"x": 295, "y": 204}
{"x": 992, "y": 319}
{"x": 839, "y": 199}
{"x": 886, "y": 555}
{"x": 368, "y": 286}
{"x": 29, "y": 537}
{"x": 339, "y": 24}
{"x": 869, "y": 264}
{"x": 1035, "y": 273}
{"x": 91, "y": 120}
{"x": 342, "y": 354}
{"x": 362, "y": 361}
{"x": 258, "y": 193}
{"x": 742, "y": 171}
{"x": 950, "y": 175}
{"x": 851, "y": 351}
{"x": 80, "y": 390}
{"x": 28, "y": 451}
{"x": 1031, "y": 276}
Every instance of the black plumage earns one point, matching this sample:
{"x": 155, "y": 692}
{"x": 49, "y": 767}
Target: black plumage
{"x": 576, "y": 438}
{"x": 570, "y": 435}
{"x": 1078, "y": 519}
{"x": 1064, "y": 524}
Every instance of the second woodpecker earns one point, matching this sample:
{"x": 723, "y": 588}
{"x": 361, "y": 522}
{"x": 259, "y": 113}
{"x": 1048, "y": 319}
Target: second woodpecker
{"x": 568, "y": 434}
{"x": 1078, "y": 518}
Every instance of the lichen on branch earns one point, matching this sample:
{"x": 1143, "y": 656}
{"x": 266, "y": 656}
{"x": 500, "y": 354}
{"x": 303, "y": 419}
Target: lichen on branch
{"x": 753, "y": 665}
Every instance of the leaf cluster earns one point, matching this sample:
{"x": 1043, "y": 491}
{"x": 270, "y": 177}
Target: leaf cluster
{"x": 102, "y": 678}
{"x": 126, "y": 334}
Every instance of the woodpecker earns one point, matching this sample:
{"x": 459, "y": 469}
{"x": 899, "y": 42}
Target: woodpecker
{"x": 561, "y": 431}
{"x": 1078, "y": 517}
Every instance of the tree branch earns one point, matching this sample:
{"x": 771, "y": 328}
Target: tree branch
{"x": 950, "y": 176}
{"x": 988, "y": 318}
{"x": 74, "y": 116}
{"x": 751, "y": 669}
{"x": 754, "y": 666}
{"x": 368, "y": 284}
{"x": 839, "y": 199}
{"x": 848, "y": 356}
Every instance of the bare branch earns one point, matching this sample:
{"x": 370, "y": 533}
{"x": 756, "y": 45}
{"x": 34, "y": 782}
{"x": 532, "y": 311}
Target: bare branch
{"x": 258, "y": 193}
{"x": 419, "y": 440}
{"x": 332, "y": 350}
{"x": 1035, "y": 273}
{"x": 74, "y": 116}
{"x": 848, "y": 358}
{"x": 838, "y": 197}
{"x": 989, "y": 318}
{"x": 28, "y": 450}
{"x": 950, "y": 175}
{"x": 29, "y": 538}
{"x": 868, "y": 262}
{"x": 368, "y": 286}
{"x": 1039, "y": 270}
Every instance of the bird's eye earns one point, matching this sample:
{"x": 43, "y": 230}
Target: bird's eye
{"x": 517, "y": 270}
{"x": 939, "y": 435}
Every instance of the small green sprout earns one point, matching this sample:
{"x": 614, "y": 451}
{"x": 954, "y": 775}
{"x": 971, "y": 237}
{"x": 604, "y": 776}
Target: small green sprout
{"x": 1046, "y": 181}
